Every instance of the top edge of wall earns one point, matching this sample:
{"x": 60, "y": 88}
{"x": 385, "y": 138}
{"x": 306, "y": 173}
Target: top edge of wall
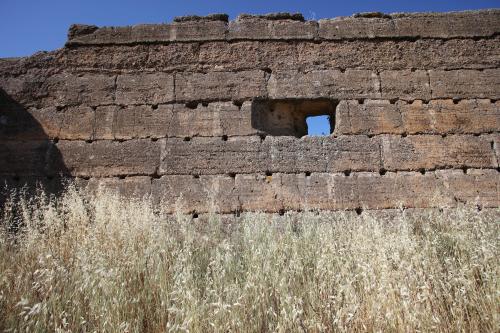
{"x": 293, "y": 26}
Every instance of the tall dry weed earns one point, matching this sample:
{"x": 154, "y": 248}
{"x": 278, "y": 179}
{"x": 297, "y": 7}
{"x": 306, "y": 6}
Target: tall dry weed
{"x": 105, "y": 264}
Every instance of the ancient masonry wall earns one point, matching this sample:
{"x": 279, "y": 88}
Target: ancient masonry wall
{"x": 209, "y": 115}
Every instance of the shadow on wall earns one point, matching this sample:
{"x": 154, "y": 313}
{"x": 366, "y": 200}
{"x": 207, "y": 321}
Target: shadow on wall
{"x": 29, "y": 158}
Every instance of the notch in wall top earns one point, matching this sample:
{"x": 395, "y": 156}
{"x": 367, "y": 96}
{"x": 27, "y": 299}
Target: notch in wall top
{"x": 80, "y": 30}
{"x": 273, "y": 16}
{"x": 196, "y": 18}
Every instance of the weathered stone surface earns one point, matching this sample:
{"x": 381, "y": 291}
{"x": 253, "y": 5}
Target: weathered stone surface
{"x": 243, "y": 55}
{"x": 128, "y": 187}
{"x": 446, "y": 116}
{"x": 219, "y": 86}
{"x": 78, "y": 123}
{"x": 257, "y": 192}
{"x": 59, "y": 89}
{"x": 306, "y": 192}
{"x": 290, "y": 154}
{"x": 210, "y": 116}
{"x": 417, "y": 152}
{"x": 198, "y": 30}
{"x": 371, "y": 117}
{"x": 465, "y": 83}
{"x": 274, "y": 154}
{"x": 173, "y": 120}
{"x": 257, "y": 28}
{"x": 107, "y": 158}
{"x": 405, "y": 85}
{"x": 105, "y": 122}
{"x": 215, "y": 119}
{"x": 327, "y": 83}
{"x": 148, "y": 33}
{"x": 157, "y": 57}
{"x": 150, "y": 89}
{"x": 480, "y": 187}
{"x": 212, "y": 156}
{"x": 142, "y": 121}
{"x": 430, "y": 25}
{"x": 187, "y": 194}
{"x": 69, "y": 89}
{"x": 123, "y": 35}
{"x": 473, "y": 116}
{"x": 352, "y": 153}
{"x": 281, "y": 55}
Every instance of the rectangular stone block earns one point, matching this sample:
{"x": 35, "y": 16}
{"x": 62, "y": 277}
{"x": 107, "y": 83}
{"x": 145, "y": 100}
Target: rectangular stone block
{"x": 405, "y": 85}
{"x": 427, "y": 25}
{"x": 221, "y": 86}
{"x": 255, "y": 28}
{"x": 123, "y": 35}
{"x": 465, "y": 83}
{"x": 292, "y": 155}
{"x": 371, "y": 117}
{"x": 212, "y": 156}
{"x": 215, "y": 119}
{"x": 325, "y": 83}
{"x": 78, "y": 123}
{"x": 198, "y": 30}
{"x": 306, "y": 192}
{"x": 187, "y": 194}
{"x": 257, "y": 192}
{"x": 142, "y": 121}
{"x": 23, "y": 158}
{"x": 352, "y": 153}
{"x": 446, "y": 116}
{"x": 417, "y": 152}
{"x": 68, "y": 89}
{"x": 106, "y": 158}
{"x": 151, "y": 88}
{"x": 477, "y": 187}
{"x": 105, "y": 122}
{"x": 135, "y": 187}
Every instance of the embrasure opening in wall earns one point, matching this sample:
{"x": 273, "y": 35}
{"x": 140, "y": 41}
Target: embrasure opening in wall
{"x": 290, "y": 117}
{"x": 318, "y": 125}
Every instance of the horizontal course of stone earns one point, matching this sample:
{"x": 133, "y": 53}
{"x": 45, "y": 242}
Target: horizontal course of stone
{"x": 171, "y": 111}
{"x": 294, "y": 27}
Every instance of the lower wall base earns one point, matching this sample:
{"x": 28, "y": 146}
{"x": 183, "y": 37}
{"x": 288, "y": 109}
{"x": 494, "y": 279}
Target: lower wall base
{"x": 280, "y": 192}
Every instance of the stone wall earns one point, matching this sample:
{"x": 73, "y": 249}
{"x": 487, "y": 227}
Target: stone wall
{"x": 209, "y": 115}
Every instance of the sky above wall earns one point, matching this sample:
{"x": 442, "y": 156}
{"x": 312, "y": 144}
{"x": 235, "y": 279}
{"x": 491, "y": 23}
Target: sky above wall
{"x": 28, "y": 26}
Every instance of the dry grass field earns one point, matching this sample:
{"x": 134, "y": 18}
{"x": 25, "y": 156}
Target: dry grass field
{"x": 104, "y": 264}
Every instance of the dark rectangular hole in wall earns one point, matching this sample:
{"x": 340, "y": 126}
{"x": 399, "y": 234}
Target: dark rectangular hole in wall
{"x": 289, "y": 117}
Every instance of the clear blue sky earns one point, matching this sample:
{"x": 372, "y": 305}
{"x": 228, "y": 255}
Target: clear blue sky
{"x": 27, "y": 26}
